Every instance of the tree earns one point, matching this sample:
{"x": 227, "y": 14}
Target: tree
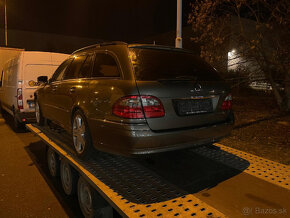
{"x": 219, "y": 23}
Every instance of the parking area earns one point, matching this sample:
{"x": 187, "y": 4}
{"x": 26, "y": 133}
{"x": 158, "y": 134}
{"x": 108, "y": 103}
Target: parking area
{"x": 25, "y": 187}
{"x": 215, "y": 181}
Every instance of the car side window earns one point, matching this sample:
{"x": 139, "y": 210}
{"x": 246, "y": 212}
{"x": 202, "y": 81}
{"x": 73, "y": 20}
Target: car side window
{"x": 85, "y": 71}
{"x": 105, "y": 66}
{"x": 74, "y": 68}
{"x": 58, "y": 75}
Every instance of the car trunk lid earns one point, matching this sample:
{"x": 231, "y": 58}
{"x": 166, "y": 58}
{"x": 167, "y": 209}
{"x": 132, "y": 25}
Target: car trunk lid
{"x": 189, "y": 89}
{"x": 186, "y": 104}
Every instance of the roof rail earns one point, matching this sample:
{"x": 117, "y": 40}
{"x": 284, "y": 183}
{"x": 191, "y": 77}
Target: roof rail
{"x": 100, "y": 45}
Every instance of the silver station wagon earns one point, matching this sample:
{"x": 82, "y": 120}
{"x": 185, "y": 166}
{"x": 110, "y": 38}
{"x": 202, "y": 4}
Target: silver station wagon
{"x": 136, "y": 99}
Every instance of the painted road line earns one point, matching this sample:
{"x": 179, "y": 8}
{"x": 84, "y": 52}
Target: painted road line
{"x": 259, "y": 167}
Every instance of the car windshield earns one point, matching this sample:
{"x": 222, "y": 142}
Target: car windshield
{"x": 164, "y": 64}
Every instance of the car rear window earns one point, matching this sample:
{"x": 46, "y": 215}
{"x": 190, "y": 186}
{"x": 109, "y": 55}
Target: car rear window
{"x": 157, "y": 64}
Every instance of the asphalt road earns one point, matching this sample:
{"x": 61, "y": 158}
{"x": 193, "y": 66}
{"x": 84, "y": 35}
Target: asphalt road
{"x": 27, "y": 190}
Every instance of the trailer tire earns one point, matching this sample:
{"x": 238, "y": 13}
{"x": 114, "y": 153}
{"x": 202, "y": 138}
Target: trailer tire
{"x": 68, "y": 177}
{"x": 52, "y": 162}
{"x": 40, "y": 120}
{"x": 91, "y": 203}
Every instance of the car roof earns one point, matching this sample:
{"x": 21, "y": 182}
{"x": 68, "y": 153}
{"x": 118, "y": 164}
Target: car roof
{"x": 106, "y": 45}
{"x": 159, "y": 47}
{"x": 96, "y": 46}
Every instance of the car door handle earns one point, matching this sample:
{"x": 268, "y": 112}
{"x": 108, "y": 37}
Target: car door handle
{"x": 72, "y": 89}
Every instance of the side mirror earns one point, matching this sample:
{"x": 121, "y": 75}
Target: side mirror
{"x": 42, "y": 79}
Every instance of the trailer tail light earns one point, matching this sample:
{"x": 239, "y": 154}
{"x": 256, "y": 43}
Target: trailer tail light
{"x": 130, "y": 107}
{"x": 19, "y": 99}
{"x": 227, "y": 103}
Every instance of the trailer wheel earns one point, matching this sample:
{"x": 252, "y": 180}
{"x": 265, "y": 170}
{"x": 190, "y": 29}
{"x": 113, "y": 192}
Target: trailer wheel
{"x": 52, "y": 162}
{"x": 40, "y": 120}
{"x": 68, "y": 177}
{"x": 91, "y": 203}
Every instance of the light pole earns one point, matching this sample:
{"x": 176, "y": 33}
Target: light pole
{"x": 178, "y": 40}
{"x": 5, "y": 11}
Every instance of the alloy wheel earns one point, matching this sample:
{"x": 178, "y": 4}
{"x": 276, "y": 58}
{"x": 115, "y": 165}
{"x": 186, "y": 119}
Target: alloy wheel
{"x": 79, "y": 131}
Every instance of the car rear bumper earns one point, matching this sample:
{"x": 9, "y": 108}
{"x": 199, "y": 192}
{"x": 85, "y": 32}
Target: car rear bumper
{"x": 128, "y": 139}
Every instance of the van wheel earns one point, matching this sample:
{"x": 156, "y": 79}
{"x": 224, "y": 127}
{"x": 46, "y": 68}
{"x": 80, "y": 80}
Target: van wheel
{"x": 81, "y": 135}
{"x": 17, "y": 124}
{"x": 91, "y": 203}
{"x": 40, "y": 120}
{"x": 68, "y": 177}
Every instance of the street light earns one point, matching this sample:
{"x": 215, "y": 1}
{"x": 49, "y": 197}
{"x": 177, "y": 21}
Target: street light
{"x": 178, "y": 40}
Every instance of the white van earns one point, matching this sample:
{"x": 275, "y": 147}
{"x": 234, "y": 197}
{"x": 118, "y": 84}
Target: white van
{"x": 18, "y": 82}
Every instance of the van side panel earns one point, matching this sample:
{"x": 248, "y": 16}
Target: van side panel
{"x": 18, "y": 72}
{"x": 37, "y": 64}
{"x": 10, "y": 84}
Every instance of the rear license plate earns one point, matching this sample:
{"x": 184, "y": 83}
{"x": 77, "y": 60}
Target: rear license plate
{"x": 193, "y": 106}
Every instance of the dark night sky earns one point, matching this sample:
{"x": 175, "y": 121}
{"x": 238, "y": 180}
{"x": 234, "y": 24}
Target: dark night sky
{"x": 108, "y": 19}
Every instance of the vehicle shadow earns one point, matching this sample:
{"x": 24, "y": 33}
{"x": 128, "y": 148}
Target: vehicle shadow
{"x": 166, "y": 176}
{"x": 151, "y": 179}
{"x": 37, "y": 153}
{"x": 196, "y": 169}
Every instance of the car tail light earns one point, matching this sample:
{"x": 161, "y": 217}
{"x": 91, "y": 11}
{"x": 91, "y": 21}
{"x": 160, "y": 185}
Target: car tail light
{"x": 130, "y": 107}
{"x": 227, "y": 103}
{"x": 19, "y": 99}
{"x": 152, "y": 107}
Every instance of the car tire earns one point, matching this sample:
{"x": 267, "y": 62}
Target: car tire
{"x": 81, "y": 136}
{"x": 68, "y": 177}
{"x": 91, "y": 203}
{"x": 40, "y": 120}
{"x": 52, "y": 162}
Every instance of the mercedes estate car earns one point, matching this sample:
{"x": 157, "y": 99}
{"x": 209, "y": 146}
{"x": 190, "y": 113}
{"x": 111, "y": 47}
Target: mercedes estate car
{"x": 136, "y": 99}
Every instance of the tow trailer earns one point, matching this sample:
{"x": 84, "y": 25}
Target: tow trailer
{"x": 136, "y": 188}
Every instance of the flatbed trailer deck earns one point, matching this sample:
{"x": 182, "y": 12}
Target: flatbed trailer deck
{"x": 134, "y": 188}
